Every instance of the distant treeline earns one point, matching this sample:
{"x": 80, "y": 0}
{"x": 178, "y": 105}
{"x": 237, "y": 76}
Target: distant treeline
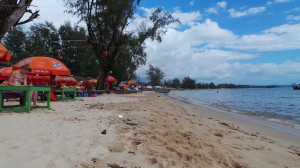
{"x": 229, "y": 86}
{"x": 188, "y": 83}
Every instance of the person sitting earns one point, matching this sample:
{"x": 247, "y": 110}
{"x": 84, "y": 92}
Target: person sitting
{"x": 19, "y": 78}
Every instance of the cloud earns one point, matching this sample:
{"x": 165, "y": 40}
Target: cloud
{"x": 192, "y": 3}
{"x": 251, "y": 11}
{"x": 187, "y": 18}
{"x": 215, "y": 9}
{"x": 222, "y": 4}
{"x": 212, "y": 10}
{"x": 207, "y": 52}
{"x": 283, "y": 37}
{"x": 292, "y": 17}
{"x": 269, "y": 3}
{"x": 281, "y": 1}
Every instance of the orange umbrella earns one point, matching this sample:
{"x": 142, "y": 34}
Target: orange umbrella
{"x": 58, "y": 79}
{"x": 131, "y": 82}
{"x": 43, "y": 65}
{"x": 5, "y": 72}
{"x": 111, "y": 79}
{"x": 69, "y": 80}
{"x": 5, "y": 56}
{"x": 36, "y": 79}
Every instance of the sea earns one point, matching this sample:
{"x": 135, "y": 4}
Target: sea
{"x": 278, "y": 104}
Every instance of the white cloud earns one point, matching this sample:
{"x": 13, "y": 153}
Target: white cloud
{"x": 222, "y": 4}
{"x": 209, "y": 34}
{"x": 208, "y": 53}
{"x": 284, "y": 37}
{"x": 215, "y": 9}
{"x": 187, "y": 18}
{"x": 281, "y": 1}
{"x": 250, "y": 11}
{"x": 292, "y": 17}
{"x": 212, "y": 10}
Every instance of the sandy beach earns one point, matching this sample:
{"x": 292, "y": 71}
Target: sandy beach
{"x": 140, "y": 130}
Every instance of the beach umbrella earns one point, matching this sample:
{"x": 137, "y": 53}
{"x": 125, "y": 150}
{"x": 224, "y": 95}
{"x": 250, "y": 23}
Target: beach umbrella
{"x": 69, "y": 80}
{"x": 43, "y": 65}
{"x": 5, "y": 73}
{"x": 131, "y": 82}
{"x": 37, "y": 79}
{"x": 111, "y": 79}
{"x": 5, "y": 56}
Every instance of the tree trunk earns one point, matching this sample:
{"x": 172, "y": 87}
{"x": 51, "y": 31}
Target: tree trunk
{"x": 102, "y": 80}
{"x": 14, "y": 17}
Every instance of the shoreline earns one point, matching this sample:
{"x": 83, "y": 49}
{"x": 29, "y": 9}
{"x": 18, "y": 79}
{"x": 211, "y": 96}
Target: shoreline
{"x": 137, "y": 130}
{"x": 251, "y": 123}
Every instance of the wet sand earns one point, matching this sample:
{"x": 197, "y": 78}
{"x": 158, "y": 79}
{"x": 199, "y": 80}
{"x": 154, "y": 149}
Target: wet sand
{"x": 140, "y": 130}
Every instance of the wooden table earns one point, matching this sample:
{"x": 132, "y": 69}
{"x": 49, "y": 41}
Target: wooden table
{"x": 27, "y": 90}
{"x": 71, "y": 92}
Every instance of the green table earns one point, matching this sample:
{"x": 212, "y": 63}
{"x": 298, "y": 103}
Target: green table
{"x": 71, "y": 92}
{"x": 27, "y": 90}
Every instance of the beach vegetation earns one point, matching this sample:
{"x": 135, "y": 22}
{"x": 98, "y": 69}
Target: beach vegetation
{"x": 188, "y": 83}
{"x": 155, "y": 75}
{"x": 14, "y": 40}
{"x": 113, "y": 33}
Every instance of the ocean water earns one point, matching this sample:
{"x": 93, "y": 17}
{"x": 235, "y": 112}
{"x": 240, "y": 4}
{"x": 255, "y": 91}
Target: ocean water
{"x": 280, "y": 104}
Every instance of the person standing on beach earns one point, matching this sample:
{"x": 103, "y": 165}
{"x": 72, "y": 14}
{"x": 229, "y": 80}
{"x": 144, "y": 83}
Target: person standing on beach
{"x": 19, "y": 78}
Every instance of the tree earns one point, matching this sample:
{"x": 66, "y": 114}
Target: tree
{"x": 11, "y": 11}
{"x": 14, "y": 41}
{"x": 39, "y": 39}
{"x": 75, "y": 52}
{"x": 176, "y": 83}
{"x": 108, "y": 23}
{"x": 188, "y": 83}
{"x": 155, "y": 75}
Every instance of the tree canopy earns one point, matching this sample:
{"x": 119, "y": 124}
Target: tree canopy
{"x": 112, "y": 35}
{"x": 155, "y": 75}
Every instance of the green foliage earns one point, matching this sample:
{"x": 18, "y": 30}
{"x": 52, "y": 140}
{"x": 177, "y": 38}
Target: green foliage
{"x": 108, "y": 23}
{"x": 174, "y": 83}
{"x": 39, "y": 39}
{"x": 188, "y": 83}
{"x": 14, "y": 41}
{"x": 155, "y": 76}
{"x": 75, "y": 52}
{"x": 44, "y": 39}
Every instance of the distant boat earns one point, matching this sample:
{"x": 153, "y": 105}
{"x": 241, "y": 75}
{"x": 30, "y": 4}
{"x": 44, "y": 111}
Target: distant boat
{"x": 296, "y": 86}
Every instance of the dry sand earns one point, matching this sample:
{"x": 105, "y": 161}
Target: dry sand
{"x": 155, "y": 131}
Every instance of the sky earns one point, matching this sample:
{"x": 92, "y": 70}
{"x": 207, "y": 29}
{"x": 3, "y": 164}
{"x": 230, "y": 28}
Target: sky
{"x": 253, "y": 42}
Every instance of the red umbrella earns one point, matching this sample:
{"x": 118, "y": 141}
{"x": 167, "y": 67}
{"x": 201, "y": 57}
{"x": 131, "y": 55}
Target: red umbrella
{"x": 5, "y": 73}
{"x": 43, "y": 65}
{"x": 5, "y": 56}
{"x": 36, "y": 79}
{"x": 111, "y": 79}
